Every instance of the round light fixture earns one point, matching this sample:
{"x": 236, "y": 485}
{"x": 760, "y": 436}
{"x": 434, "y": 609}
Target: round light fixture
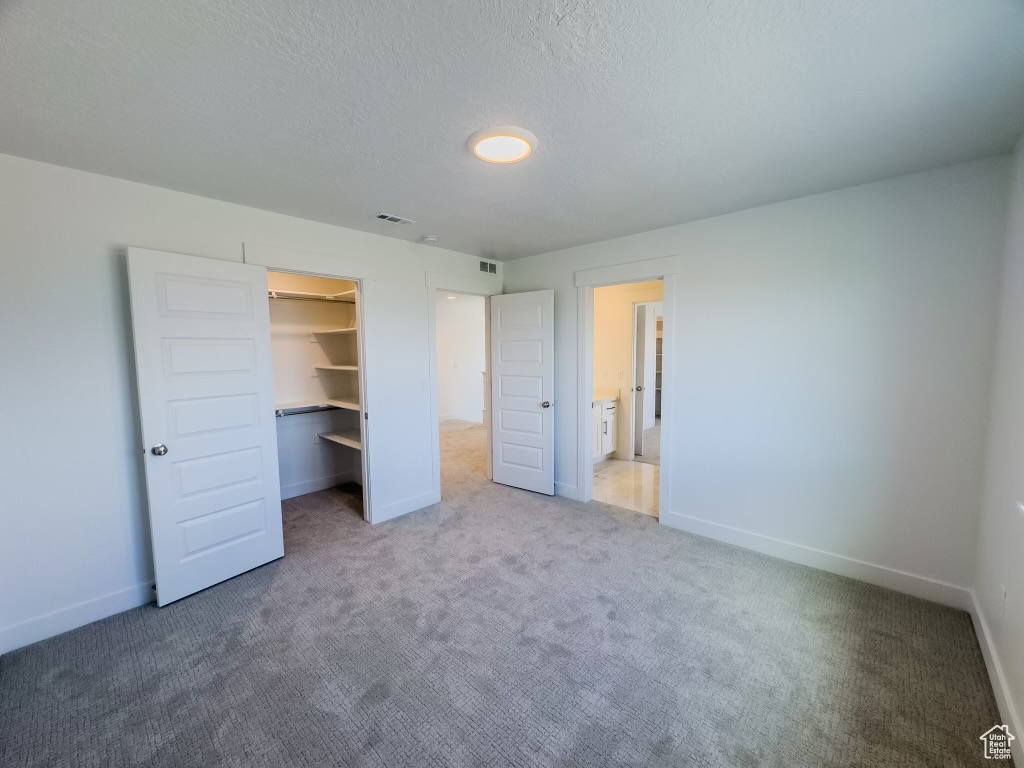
{"x": 502, "y": 145}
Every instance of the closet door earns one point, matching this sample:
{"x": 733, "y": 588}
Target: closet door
{"x": 202, "y": 351}
{"x": 522, "y": 390}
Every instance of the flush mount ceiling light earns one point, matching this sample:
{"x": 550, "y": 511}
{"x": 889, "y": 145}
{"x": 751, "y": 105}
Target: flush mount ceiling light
{"x": 502, "y": 145}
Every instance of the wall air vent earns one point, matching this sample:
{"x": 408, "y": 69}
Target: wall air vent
{"x": 392, "y": 218}
{"x": 489, "y": 266}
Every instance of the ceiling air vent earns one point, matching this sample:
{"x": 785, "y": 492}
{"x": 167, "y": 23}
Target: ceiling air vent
{"x": 392, "y": 218}
{"x": 489, "y": 267}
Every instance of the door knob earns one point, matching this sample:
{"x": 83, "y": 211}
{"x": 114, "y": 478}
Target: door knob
{"x": 639, "y": 389}
{"x": 159, "y": 450}
{"x": 546, "y": 404}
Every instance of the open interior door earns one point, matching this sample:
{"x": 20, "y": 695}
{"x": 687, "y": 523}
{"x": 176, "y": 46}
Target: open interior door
{"x": 651, "y": 364}
{"x": 640, "y": 319}
{"x": 522, "y": 390}
{"x": 202, "y": 351}
{"x": 645, "y": 344}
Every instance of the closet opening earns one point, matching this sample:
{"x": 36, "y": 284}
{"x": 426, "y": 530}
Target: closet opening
{"x": 316, "y": 345}
{"x": 462, "y": 388}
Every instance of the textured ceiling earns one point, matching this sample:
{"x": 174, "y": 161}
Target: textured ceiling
{"x": 649, "y": 112}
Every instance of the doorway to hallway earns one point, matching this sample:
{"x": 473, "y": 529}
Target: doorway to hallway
{"x": 461, "y": 348}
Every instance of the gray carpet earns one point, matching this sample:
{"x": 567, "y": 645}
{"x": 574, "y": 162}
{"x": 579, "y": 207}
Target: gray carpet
{"x": 505, "y": 628}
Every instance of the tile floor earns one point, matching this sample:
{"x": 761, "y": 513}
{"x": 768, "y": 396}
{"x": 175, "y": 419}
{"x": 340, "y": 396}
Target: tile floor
{"x": 628, "y": 484}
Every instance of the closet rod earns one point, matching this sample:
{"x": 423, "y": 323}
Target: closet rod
{"x": 303, "y": 409}
{"x": 272, "y": 295}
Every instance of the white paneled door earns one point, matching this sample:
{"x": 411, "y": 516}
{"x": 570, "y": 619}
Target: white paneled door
{"x": 202, "y": 350}
{"x": 522, "y": 390}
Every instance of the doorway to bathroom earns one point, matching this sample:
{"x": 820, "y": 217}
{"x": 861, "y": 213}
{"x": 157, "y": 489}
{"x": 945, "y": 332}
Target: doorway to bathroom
{"x": 628, "y": 324}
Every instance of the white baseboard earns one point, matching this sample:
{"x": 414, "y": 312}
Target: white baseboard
{"x": 74, "y": 616}
{"x": 383, "y": 513}
{"x": 568, "y": 491}
{"x": 312, "y": 486}
{"x": 880, "y": 575}
{"x": 1004, "y": 699}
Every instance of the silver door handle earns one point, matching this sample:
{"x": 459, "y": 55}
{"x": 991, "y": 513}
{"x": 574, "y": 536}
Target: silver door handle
{"x": 639, "y": 389}
{"x": 159, "y": 450}
{"x": 546, "y": 404}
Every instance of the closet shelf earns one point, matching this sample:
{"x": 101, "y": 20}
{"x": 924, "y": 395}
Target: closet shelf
{"x": 345, "y": 296}
{"x": 334, "y": 332}
{"x": 345, "y": 404}
{"x": 348, "y": 437}
{"x": 337, "y": 367}
{"x": 313, "y": 406}
{"x": 300, "y": 405}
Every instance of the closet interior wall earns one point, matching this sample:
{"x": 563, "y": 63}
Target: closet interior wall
{"x": 315, "y": 346}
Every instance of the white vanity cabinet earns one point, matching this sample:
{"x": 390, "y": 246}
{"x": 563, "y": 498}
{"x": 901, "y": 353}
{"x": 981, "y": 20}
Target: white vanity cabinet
{"x": 610, "y": 421}
{"x": 604, "y": 411}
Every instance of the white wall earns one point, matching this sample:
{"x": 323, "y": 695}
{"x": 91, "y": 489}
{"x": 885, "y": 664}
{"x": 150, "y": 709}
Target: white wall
{"x": 834, "y": 365}
{"x": 460, "y": 356}
{"x": 1000, "y": 556}
{"x": 74, "y": 545}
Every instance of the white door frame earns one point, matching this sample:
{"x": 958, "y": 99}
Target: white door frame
{"x": 468, "y": 286}
{"x": 334, "y": 274}
{"x": 586, "y": 280}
